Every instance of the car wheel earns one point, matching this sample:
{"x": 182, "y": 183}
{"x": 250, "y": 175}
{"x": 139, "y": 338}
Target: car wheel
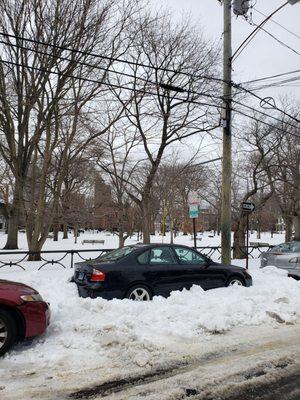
{"x": 234, "y": 281}
{"x": 139, "y": 293}
{"x": 8, "y": 331}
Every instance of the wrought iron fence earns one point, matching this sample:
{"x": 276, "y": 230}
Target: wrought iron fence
{"x": 63, "y": 258}
{"x": 215, "y": 251}
{"x": 66, "y": 258}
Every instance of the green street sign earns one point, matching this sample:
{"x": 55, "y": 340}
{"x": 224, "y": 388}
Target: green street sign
{"x": 193, "y": 211}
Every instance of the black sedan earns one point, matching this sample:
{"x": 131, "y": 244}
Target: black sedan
{"x": 140, "y": 272}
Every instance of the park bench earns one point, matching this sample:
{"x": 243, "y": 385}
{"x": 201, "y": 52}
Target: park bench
{"x": 258, "y": 244}
{"x": 93, "y": 241}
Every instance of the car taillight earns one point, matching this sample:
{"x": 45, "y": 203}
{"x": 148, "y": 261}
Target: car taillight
{"x": 97, "y": 276}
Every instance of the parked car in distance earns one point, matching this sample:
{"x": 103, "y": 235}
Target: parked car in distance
{"x": 139, "y": 272}
{"x": 285, "y": 256}
{"x": 23, "y": 314}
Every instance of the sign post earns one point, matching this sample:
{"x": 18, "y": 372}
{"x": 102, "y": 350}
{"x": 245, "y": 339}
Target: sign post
{"x": 194, "y": 213}
{"x": 248, "y": 208}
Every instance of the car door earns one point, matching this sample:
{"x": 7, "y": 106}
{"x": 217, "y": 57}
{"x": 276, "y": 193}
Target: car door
{"x": 161, "y": 270}
{"x": 282, "y": 255}
{"x": 196, "y": 270}
{"x": 294, "y": 266}
{"x": 275, "y": 256}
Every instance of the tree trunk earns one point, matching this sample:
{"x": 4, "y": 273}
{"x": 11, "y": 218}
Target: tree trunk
{"x": 12, "y": 230}
{"x": 121, "y": 241}
{"x": 288, "y": 221}
{"x": 13, "y": 220}
{"x": 65, "y": 234}
{"x": 76, "y": 234}
{"x": 35, "y": 248}
{"x": 171, "y": 230}
{"x": 55, "y": 232}
{"x": 146, "y": 222}
{"x": 121, "y": 237}
{"x": 239, "y": 249}
{"x": 297, "y": 227}
{"x": 258, "y": 230}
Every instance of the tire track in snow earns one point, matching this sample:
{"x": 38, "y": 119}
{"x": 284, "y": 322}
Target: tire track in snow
{"x": 209, "y": 360}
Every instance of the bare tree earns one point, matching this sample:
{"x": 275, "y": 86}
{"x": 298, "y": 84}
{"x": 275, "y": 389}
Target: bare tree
{"x": 35, "y": 80}
{"x": 178, "y": 57}
{"x": 113, "y": 154}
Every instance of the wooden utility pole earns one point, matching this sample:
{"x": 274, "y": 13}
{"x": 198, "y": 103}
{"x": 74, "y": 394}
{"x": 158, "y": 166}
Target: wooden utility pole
{"x": 226, "y": 120}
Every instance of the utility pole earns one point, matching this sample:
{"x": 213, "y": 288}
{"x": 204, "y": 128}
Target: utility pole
{"x": 226, "y": 122}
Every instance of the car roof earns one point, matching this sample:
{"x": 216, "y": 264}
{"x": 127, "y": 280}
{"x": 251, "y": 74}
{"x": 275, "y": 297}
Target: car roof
{"x": 153, "y": 245}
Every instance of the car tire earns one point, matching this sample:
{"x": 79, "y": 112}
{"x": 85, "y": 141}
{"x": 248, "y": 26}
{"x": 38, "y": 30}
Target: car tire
{"x": 8, "y": 331}
{"x": 139, "y": 293}
{"x": 234, "y": 280}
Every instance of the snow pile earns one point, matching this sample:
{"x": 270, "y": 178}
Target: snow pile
{"x": 88, "y": 330}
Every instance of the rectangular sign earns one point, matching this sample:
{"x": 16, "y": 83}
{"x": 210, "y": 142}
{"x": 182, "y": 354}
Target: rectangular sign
{"x": 193, "y": 211}
{"x": 248, "y": 207}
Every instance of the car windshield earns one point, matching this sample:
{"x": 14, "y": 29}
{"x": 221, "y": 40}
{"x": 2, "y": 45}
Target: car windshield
{"x": 116, "y": 255}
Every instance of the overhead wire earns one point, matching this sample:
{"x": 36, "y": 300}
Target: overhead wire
{"x": 270, "y": 77}
{"x": 279, "y": 41}
{"x": 267, "y": 124}
{"x": 109, "y": 58}
{"x": 134, "y": 63}
{"x": 104, "y": 83}
{"x": 144, "y": 91}
{"x": 250, "y": 37}
{"x": 277, "y": 23}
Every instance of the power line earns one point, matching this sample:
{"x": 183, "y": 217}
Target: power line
{"x": 124, "y": 61}
{"x": 266, "y": 123}
{"x": 61, "y": 58}
{"x": 151, "y": 93}
{"x": 263, "y": 113}
{"x": 109, "y": 58}
{"x": 280, "y": 41}
{"x": 106, "y": 83}
{"x": 277, "y": 23}
{"x": 254, "y": 33}
{"x": 271, "y": 77}
{"x": 282, "y": 83}
{"x": 267, "y": 102}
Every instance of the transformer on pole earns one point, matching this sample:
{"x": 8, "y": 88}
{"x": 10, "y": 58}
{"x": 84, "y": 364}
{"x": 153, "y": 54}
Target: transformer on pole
{"x": 241, "y": 7}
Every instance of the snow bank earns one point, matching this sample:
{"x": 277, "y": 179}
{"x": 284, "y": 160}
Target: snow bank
{"x": 86, "y": 332}
{"x": 114, "y": 338}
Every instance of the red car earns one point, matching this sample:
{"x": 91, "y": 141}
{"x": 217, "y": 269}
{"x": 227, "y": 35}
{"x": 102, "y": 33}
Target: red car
{"x": 23, "y": 314}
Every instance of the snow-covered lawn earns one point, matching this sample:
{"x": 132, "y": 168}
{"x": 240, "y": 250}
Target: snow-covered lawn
{"x": 111, "y": 240}
{"x": 114, "y": 337}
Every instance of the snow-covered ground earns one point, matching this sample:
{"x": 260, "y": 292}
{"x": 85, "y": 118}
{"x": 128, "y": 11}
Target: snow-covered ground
{"x": 114, "y": 338}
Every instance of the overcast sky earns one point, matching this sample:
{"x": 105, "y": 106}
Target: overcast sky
{"x": 264, "y": 55}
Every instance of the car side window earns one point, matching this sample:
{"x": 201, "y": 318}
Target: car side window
{"x": 162, "y": 255}
{"x": 295, "y": 247}
{"x": 188, "y": 256}
{"x": 144, "y": 257}
{"x": 282, "y": 248}
{"x": 295, "y": 260}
